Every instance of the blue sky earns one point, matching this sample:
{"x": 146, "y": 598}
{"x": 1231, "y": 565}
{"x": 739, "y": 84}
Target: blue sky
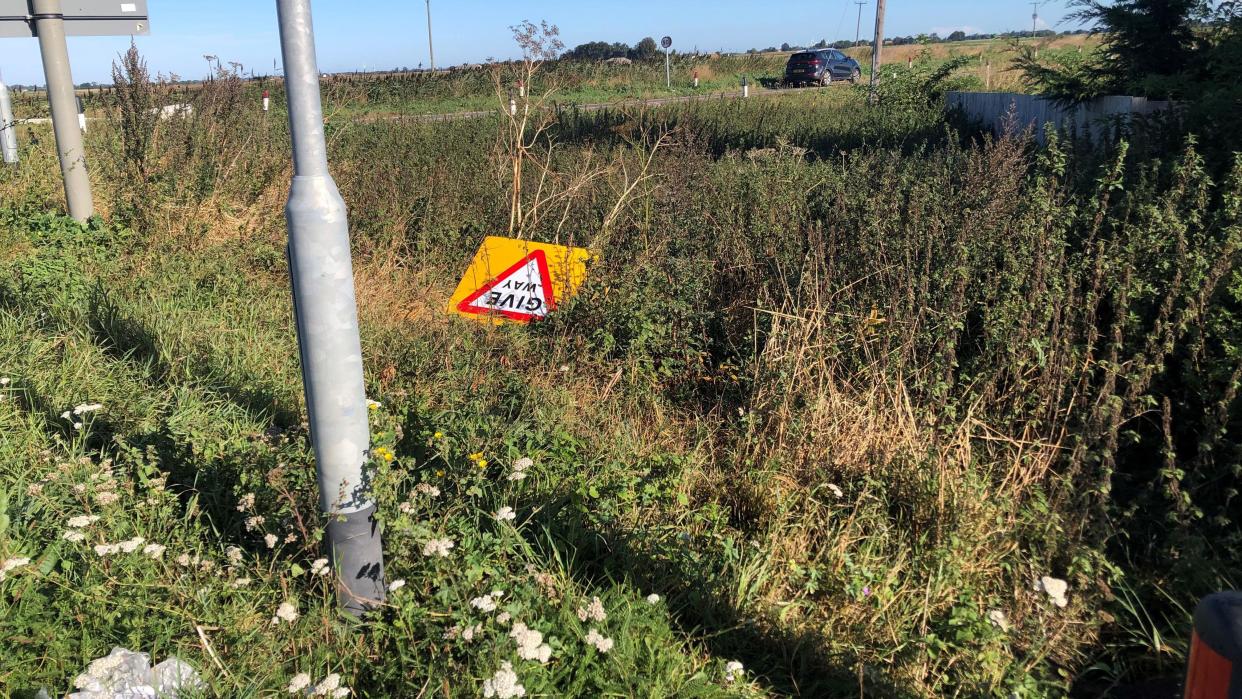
{"x": 392, "y": 33}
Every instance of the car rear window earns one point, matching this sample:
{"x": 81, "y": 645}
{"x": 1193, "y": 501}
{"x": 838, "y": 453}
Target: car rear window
{"x": 803, "y": 57}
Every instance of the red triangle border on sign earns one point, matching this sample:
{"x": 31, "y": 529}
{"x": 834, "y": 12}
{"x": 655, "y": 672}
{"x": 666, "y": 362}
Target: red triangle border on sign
{"x": 541, "y": 261}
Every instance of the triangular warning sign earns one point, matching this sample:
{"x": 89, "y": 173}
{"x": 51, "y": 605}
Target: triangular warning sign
{"x": 523, "y": 292}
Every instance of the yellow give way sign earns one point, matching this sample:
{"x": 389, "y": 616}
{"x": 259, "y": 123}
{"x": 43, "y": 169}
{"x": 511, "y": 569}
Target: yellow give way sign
{"x": 518, "y": 280}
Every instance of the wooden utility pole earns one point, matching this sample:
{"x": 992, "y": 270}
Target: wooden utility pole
{"x": 877, "y": 49}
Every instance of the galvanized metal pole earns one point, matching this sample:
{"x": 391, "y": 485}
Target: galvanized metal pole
{"x": 8, "y": 127}
{"x": 668, "y": 72}
{"x": 327, "y": 324}
{"x": 431, "y": 49}
{"x": 877, "y": 50}
{"x": 49, "y": 22}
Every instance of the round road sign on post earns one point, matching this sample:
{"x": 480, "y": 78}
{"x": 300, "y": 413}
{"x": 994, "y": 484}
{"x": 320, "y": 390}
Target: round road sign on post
{"x": 667, "y": 43}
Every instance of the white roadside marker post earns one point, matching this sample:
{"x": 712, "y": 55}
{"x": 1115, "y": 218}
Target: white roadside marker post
{"x": 8, "y": 127}
{"x": 327, "y": 325}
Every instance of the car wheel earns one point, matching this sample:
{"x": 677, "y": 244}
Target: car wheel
{"x": 856, "y": 76}
{"x": 826, "y": 80}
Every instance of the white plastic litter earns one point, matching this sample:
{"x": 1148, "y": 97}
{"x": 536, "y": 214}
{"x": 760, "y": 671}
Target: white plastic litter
{"x": 124, "y": 674}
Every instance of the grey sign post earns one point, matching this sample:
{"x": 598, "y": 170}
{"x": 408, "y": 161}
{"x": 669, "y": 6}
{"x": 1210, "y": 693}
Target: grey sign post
{"x": 51, "y": 21}
{"x": 667, "y": 43}
{"x": 327, "y": 324}
{"x": 8, "y": 134}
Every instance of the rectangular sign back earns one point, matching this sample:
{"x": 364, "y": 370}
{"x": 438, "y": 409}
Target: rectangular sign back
{"x": 82, "y": 18}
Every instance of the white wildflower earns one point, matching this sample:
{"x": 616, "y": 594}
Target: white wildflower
{"x": 427, "y": 489}
{"x": 270, "y": 540}
{"x": 66, "y": 415}
{"x": 653, "y": 598}
{"x": 734, "y": 670}
{"x": 329, "y": 686}
{"x": 468, "y": 633}
{"x": 106, "y": 497}
{"x": 77, "y": 425}
{"x": 503, "y": 618}
{"x": 240, "y": 583}
{"x": 593, "y": 611}
{"x": 836, "y": 490}
{"x": 132, "y": 544}
{"x": 299, "y": 682}
{"x": 396, "y": 585}
{"x": 998, "y": 619}
{"x": 285, "y": 612}
{"x": 185, "y": 560}
{"x": 74, "y": 535}
{"x": 505, "y": 514}
{"x": 520, "y": 467}
{"x": 486, "y": 603}
{"x": 234, "y": 554}
{"x": 438, "y": 547}
{"x": 103, "y": 550}
{"x": 82, "y": 521}
{"x": 247, "y": 503}
{"x": 595, "y": 638}
{"x": 1055, "y": 588}
{"x": 154, "y": 550}
{"x": 530, "y": 643}
{"x": 255, "y": 522}
{"x": 503, "y": 684}
{"x": 320, "y": 567}
{"x": 11, "y": 565}
{"x": 5, "y": 381}
{"x": 87, "y": 408}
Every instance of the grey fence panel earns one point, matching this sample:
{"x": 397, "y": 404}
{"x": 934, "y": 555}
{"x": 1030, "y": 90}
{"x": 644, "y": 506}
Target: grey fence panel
{"x": 1011, "y": 112}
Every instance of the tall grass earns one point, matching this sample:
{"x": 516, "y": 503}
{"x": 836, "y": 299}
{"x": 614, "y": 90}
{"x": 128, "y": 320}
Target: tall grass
{"x": 842, "y": 385}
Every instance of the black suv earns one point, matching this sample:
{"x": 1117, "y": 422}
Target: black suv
{"x": 821, "y": 67}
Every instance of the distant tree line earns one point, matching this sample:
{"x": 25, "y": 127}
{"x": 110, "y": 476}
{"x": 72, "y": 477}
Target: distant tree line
{"x": 645, "y": 50}
{"x": 932, "y": 38}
